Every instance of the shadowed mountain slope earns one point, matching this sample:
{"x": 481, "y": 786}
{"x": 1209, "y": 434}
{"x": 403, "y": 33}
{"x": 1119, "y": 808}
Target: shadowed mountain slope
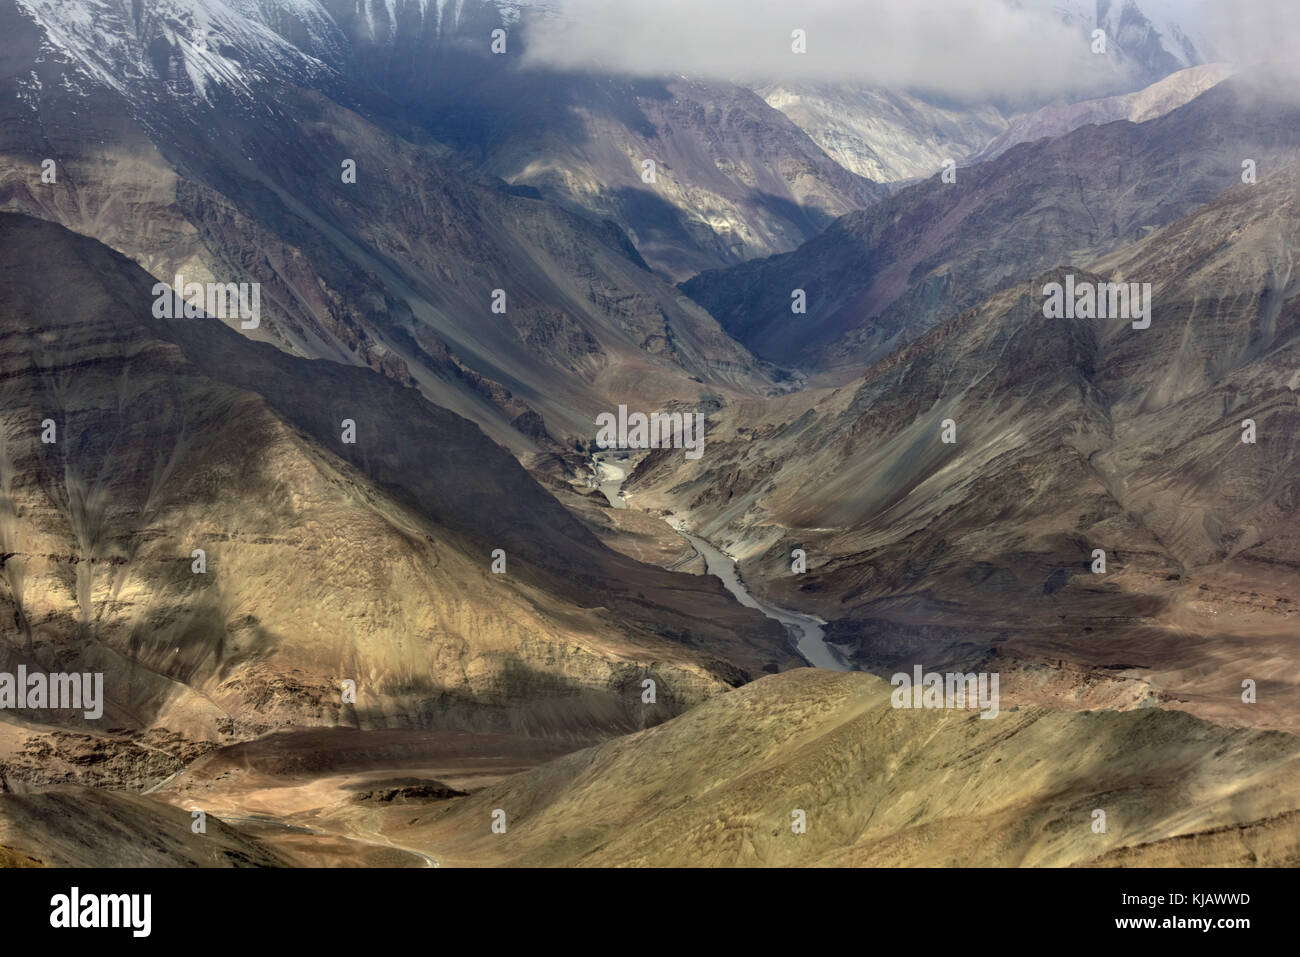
{"x": 734, "y": 177}
{"x": 325, "y": 559}
{"x": 193, "y": 173}
{"x": 883, "y": 276}
{"x": 90, "y": 827}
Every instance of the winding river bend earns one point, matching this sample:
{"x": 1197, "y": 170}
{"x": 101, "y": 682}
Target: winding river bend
{"x": 807, "y": 632}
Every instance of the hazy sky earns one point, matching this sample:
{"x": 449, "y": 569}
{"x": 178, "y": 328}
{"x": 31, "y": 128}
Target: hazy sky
{"x": 969, "y": 49}
{"x": 1258, "y": 31}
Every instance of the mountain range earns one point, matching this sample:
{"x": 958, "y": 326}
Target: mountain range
{"x": 358, "y": 574}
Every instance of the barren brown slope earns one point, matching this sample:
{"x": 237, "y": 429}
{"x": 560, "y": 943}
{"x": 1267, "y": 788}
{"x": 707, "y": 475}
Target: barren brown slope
{"x": 324, "y": 560}
{"x": 89, "y": 827}
{"x": 880, "y": 786}
{"x": 1070, "y": 436}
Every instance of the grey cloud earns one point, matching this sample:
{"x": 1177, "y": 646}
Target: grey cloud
{"x": 965, "y": 49}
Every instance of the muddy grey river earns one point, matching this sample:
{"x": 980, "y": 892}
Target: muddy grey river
{"x": 808, "y": 632}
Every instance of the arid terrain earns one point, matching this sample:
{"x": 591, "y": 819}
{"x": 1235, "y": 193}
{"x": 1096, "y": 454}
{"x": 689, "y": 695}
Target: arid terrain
{"x": 367, "y": 584}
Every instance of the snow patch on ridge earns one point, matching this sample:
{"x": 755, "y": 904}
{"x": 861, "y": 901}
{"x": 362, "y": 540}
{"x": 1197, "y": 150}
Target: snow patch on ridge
{"x": 218, "y": 42}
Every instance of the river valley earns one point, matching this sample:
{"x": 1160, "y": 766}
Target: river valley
{"x": 808, "y": 633}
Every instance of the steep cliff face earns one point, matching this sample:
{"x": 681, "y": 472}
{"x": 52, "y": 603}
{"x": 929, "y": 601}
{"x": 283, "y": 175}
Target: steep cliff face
{"x": 348, "y": 530}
